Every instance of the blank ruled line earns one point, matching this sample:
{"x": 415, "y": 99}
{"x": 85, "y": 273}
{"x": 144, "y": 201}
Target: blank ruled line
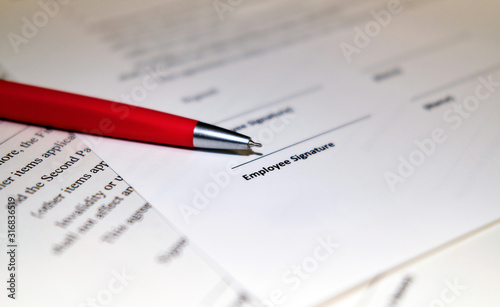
{"x": 280, "y": 100}
{"x": 313, "y": 137}
{"x": 489, "y": 70}
{"x": 14, "y": 135}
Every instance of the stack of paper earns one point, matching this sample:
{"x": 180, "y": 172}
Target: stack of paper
{"x": 386, "y": 112}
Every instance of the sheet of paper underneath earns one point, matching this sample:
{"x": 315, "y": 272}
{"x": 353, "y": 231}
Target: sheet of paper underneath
{"x": 79, "y": 235}
{"x": 463, "y": 273}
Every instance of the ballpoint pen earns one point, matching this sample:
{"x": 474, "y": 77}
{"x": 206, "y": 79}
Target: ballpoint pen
{"x": 52, "y": 108}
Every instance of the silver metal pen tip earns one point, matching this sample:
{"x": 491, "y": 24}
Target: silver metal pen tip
{"x": 253, "y": 144}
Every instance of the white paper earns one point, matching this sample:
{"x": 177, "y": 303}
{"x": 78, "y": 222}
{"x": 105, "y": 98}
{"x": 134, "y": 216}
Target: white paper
{"x": 74, "y": 233}
{"x": 343, "y": 215}
{"x": 464, "y": 272}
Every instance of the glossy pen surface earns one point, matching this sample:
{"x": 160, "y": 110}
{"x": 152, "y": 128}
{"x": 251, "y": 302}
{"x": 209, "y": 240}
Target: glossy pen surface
{"x": 53, "y": 108}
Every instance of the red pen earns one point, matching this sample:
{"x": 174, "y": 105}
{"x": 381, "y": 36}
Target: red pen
{"x": 52, "y": 108}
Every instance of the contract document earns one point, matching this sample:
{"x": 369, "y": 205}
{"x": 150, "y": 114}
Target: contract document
{"x": 76, "y": 234}
{"x": 379, "y": 121}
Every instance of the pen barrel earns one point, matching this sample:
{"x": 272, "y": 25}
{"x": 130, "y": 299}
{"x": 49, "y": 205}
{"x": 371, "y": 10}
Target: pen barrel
{"x": 52, "y": 108}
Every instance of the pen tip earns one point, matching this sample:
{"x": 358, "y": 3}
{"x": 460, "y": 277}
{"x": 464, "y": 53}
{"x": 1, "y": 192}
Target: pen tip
{"x": 253, "y": 144}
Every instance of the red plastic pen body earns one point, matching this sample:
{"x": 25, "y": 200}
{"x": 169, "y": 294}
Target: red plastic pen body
{"x": 74, "y": 112}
